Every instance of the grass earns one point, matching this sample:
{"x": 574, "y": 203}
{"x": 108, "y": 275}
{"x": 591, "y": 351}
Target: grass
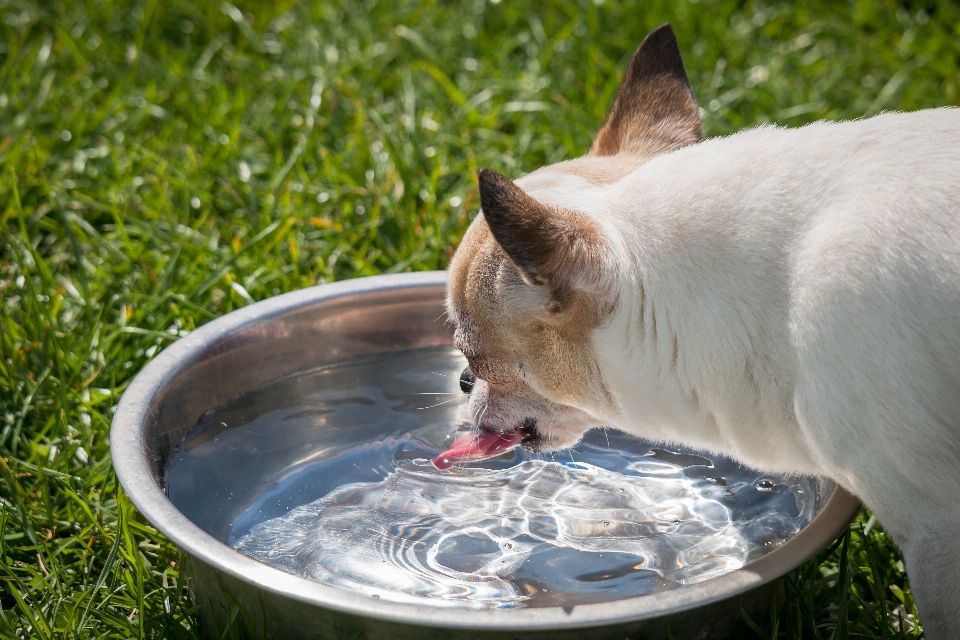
{"x": 164, "y": 163}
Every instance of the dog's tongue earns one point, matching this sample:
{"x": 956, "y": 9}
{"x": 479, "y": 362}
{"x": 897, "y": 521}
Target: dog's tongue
{"x": 477, "y": 446}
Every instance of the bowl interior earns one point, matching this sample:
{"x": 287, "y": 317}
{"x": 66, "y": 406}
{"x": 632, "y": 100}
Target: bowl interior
{"x": 278, "y": 337}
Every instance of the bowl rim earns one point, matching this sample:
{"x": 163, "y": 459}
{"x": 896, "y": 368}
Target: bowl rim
{"x": 133, "y": 467}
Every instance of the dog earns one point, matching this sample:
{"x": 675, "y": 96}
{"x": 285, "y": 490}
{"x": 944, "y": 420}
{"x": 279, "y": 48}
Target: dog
{"x": 786, "y": 297}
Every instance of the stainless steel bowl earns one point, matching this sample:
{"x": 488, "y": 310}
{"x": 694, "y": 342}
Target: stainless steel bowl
{"x": 335, "y": 322}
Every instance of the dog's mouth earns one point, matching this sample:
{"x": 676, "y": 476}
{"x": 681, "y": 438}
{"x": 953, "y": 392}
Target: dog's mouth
{"x": 485, "y": 444}
{"x": 531, "y": 435}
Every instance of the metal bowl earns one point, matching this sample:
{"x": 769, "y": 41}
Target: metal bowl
{"x": 336, "y": 322}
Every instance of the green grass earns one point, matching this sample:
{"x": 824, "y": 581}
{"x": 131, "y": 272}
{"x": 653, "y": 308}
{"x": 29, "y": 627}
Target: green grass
{"x": 166, "y": 162}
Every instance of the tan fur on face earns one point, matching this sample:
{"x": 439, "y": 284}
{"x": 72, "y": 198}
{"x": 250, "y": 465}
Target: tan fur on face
{"x": 531, "y": 363}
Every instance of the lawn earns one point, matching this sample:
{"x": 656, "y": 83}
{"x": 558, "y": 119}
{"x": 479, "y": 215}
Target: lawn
{"x": 164, "y": 163}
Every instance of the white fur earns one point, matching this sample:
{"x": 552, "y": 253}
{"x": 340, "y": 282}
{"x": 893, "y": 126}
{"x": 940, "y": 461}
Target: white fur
{"x": 791, "y": 297}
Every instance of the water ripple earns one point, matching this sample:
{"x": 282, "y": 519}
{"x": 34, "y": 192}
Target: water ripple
{"x": 465, "y": 539}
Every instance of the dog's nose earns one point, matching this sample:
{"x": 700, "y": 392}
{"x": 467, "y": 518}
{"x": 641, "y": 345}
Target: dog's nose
{"x": 467, "y": 380}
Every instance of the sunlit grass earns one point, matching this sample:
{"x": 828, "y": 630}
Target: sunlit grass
{"x": 167, "y": 162}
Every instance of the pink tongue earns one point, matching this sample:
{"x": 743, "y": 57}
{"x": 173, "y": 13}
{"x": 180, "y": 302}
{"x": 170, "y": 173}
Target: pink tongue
{"x": 477, "y": 446}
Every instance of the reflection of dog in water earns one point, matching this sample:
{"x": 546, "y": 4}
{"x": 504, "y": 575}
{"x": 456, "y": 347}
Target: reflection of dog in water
{"x": 788, "y": 297}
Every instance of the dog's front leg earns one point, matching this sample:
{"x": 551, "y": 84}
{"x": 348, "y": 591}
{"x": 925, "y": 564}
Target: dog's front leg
{"x": 933, "y": 564}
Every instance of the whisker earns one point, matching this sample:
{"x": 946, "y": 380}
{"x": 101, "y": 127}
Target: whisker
{"x": 439, "y": 393}
{"x": 436, "y": 405}
{"x": 482, "y": 413}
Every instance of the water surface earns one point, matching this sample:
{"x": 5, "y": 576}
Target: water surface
{"x": 326, "y": 475}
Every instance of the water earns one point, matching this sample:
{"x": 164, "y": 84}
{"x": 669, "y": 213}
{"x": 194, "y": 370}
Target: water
{"x": 326, "y": 475}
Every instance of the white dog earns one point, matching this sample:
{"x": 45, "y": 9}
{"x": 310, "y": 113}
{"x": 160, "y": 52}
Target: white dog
{"x": 788, "y": 297}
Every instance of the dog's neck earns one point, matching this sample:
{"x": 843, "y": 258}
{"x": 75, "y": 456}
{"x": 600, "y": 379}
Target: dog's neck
{"x": 699, "y": 349}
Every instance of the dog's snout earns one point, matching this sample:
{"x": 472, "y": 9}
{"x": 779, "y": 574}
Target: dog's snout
{"x": 467, "y": 380}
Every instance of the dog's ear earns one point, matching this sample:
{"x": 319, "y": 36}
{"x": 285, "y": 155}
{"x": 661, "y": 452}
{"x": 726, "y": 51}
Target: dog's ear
{"x": 552, "y": 247}
{"x": 654, "y": 110}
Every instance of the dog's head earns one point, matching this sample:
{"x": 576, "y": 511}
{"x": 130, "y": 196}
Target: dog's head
{"x": 536, "y": 274}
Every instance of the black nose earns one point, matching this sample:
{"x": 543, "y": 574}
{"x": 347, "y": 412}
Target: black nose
{"x": 467, "y": 380}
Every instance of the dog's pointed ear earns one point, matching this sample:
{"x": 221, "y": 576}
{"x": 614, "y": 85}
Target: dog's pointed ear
{"x": 556, "y": 248}
{"x": 654, "y": 110}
